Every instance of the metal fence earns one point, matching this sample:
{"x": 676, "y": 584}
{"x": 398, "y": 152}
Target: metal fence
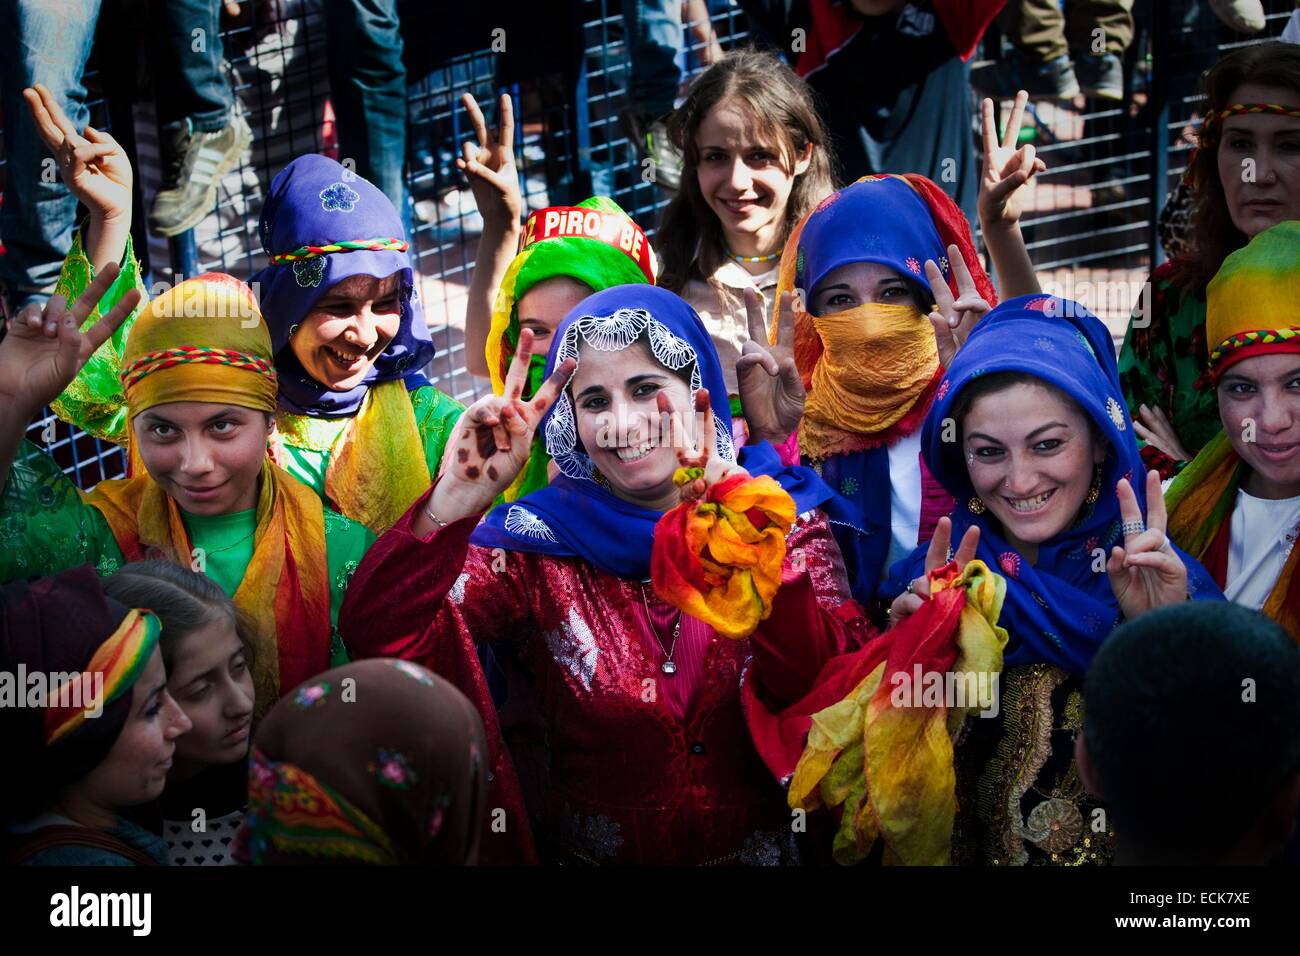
{"x": 1090, "y": 220}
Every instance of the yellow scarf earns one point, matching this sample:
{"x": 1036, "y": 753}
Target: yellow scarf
{"x": 876, "y": 362}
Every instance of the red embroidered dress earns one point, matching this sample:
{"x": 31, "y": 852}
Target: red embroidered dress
{"x": 636, "y": 766}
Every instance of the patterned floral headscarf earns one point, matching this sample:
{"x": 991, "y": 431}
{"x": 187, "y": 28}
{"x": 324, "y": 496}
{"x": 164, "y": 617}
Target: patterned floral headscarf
{"x": 378, "y": 762}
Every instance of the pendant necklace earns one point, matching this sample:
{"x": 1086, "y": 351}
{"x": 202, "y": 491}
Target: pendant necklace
{"x": 668, "y": 667}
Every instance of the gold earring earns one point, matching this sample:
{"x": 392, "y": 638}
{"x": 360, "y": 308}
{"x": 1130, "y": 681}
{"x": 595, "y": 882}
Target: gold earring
{"x": 1094, "y": 492}
{"x": 976, "y": 506}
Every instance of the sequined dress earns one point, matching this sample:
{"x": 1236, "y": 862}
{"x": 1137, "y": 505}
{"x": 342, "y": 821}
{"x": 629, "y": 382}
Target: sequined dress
{"x": 625, "y": 763}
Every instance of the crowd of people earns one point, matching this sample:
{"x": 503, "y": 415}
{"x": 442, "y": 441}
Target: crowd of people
{"x": 786, "y": 537}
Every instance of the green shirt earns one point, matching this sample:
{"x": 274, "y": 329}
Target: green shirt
{"x": 46, "y": 527}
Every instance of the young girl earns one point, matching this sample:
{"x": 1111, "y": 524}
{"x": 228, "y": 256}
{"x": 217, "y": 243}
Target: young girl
{"x": 200, "y": 392}
{"x": 379, "y": 762}
{"x": 756, "y": 161}
{"x": 648, "y": 758}
{"x": 1237, "y": 505}
{"x": 356, "y": 420}
{"x": 101, "y": 741}
{"x": 207, "y": 647}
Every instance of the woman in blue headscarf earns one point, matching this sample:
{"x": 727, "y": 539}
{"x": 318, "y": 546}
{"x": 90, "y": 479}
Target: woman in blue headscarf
{"x": 358, "y": 422}
{"x": 648, "y": 758}
{"x": 1030, "y": 434}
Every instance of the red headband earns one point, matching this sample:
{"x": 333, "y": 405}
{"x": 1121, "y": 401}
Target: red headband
{"x": 575, "y": 222}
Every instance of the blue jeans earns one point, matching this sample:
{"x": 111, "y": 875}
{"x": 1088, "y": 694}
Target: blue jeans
{"x": 653, "y": 34}
{"x": 189, "y": 84}
{"x": 46, "y": 43}
{"x": 368, "y": 90}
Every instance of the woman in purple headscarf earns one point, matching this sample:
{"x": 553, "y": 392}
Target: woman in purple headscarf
{"x": 358, "y": 421}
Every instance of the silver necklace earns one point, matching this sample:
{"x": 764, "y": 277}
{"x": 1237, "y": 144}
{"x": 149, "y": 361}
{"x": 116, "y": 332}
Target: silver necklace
{"x": 668, "y": 667}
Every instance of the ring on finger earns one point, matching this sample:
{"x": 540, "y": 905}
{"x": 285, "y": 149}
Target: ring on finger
{"x": 1136, "y": 526}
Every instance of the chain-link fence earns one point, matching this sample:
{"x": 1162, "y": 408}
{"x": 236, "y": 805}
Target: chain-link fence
{"x": 1089, "y": 224}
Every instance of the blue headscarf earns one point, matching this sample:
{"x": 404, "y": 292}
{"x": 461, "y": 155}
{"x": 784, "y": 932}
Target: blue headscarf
{"x": 1060, "y": 609}
{"x": 574, "y": 516}
{"x": 315, "y": 201}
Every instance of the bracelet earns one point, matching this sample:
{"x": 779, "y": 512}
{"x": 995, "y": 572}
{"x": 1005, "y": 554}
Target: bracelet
{"x": 431, "y": 516}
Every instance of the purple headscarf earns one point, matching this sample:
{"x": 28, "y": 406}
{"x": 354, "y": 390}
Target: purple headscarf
{"x": 316, "y": 202}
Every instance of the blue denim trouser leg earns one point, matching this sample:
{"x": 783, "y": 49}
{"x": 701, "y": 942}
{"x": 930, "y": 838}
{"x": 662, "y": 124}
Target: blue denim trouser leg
{"x": 368, "y": 89}
{"x": 46, "y": 43}
{"x": 190, "y": 84}
{"x": 653, "y": 33}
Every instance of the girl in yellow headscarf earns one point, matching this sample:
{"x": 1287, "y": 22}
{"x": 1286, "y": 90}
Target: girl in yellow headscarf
{"x": 200, "y": 392}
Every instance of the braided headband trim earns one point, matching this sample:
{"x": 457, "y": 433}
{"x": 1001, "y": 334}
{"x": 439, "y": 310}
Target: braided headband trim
{"x": 152, "y": 362}
{"x": 118, "y": 662}
{"x": 1260, "y": 337}
{"x": 346, "y": 245}
{"x": 1214, "y": 117}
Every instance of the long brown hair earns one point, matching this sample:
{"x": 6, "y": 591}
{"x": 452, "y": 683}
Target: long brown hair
{"x": 1214, "y": 235}
{"x": 690, "y": 240}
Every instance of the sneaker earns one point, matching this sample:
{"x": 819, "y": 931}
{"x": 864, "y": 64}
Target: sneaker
{"x": 1053, "y": 80}
{"x": 1101, "y": 77}
{"x": 197, "y": 161}
{"x": 652, "y": 142}
{"x": 1244, "y": 16}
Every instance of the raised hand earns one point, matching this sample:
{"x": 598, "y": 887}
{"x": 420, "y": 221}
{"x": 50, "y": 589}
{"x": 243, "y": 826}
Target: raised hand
{"x": 1006, "y": 169}
{"x": 697, "y": 449}
{"x": 41, "y": 354}
{"x": 93, "y": 165}
{"x": 1146, "y": 572}
{"x": 771, "y": 390}
{"x": 952, "y": 318}
{"x": 1154, "y": 428}
{"x": 490, "y": 165}
{"x": 936, "y": 556}
{"x": 493, "y": 437}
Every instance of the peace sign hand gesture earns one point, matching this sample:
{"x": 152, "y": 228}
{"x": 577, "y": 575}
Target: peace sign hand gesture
{"x": 771, "y": 390}
{"x": 698, "y": 453}
{"x": 936, "y": 556}
{"x": 491, "y": 165}
{"x": 1006, "y": 169}
{"x": 93, "y": 166}
{"x": 41, "y": 355}
{"x": 1146, "y": 572}
{"x": 493, "y": 438}
{"x": 953, "y": 319}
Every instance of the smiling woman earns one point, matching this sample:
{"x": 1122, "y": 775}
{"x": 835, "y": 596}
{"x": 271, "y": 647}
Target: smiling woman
{"x": 1237, "y": 505}
{"x": 199, "y": 388}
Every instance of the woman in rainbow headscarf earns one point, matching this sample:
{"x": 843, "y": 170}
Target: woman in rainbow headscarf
{"x": 99, "y": 741}
{"x": 634, "y": 615}
{"x": 866, "y": 267}
{"x": 356, "y": 420}
{"x": 200, "y": 392}
{"x": 1237, "y": 505}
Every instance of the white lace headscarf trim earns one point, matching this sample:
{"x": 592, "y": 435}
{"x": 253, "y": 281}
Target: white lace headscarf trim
{"x": 613, "y": 333}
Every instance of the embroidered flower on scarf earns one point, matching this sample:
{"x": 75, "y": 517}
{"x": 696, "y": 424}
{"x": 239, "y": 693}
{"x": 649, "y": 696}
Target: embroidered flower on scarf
{"x": 914, "y": 265}
{"x": 943, "y": 390}
{"x": 339, "y": 197}
{"x": 1039, "y": 304}
{"x": 849, "y": 486}
{"x": 345, "y": 575}
{"x": 1116, "y": 412}
{"x": 800, "y": 263}
{"x": 312, "y": 695}
{"x": 1010, "y": 563}
{"x": 393, "y": 770}
{"x": 1044, "y": 344}
{"x": 308, "y": 272}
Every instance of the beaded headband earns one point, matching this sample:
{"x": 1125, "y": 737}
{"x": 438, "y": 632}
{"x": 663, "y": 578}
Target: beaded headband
{"x": 152, "y": 362}
{"x": 1243, "y": 339}
{"x": 1215, "y": 117}
{"x": 345, "y": 245}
